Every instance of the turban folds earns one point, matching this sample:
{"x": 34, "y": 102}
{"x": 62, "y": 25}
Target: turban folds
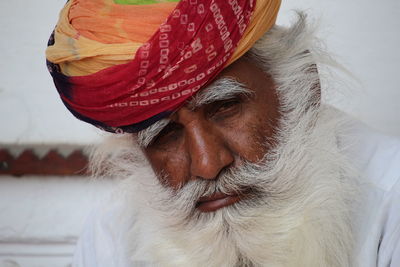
{"x": 122, "y": 67}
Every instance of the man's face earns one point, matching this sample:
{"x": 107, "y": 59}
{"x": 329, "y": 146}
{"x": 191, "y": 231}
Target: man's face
{"x": 203, "y": 141}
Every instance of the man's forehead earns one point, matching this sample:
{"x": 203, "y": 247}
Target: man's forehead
{"x": 231, "y": 81}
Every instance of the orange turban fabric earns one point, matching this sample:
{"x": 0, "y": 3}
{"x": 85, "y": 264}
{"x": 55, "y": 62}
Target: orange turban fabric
{"x": 111, "y": 61}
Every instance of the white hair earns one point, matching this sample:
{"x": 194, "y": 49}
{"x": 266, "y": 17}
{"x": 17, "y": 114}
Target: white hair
{"x": 305, "y": 184}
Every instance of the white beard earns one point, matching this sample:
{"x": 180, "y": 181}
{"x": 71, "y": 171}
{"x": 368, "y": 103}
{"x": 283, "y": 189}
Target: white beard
{"x": 302, "y": 216}
{"x": 303, "y": 220}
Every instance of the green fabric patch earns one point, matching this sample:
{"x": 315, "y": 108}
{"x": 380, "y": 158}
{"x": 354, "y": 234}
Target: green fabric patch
{"x": 141, "y": 2}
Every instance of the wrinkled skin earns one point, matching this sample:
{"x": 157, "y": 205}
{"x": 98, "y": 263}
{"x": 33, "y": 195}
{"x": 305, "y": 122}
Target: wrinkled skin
{"x": 201, "y": 143}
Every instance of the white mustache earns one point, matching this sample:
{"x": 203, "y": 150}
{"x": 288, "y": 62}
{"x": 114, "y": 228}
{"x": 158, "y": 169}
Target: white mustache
{"x": 249, "y": 179}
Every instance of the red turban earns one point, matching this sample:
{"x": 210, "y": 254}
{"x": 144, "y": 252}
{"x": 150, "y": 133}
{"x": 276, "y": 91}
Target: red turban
{"x": 123, "y": 67}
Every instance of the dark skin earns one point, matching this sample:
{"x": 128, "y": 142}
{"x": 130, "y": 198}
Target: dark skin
{"x": 201, "y": 143}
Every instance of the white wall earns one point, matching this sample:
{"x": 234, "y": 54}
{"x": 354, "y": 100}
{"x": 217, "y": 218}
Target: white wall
{"x": 364, "y": 34}
{"x": 30, "y": 109}
{"x": 41, "y": 218}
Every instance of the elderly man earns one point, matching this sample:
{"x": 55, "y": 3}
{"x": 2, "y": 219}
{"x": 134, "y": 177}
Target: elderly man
{"x": 226, "y": 155}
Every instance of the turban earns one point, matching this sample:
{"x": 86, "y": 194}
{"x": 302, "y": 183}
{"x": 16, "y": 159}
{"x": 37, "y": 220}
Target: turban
{"x": 121, "y": 65}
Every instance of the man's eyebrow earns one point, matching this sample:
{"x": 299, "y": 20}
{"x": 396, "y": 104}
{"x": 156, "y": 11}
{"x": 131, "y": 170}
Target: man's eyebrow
{"x": 222, "y": 89}
{"x": 145, "y": 136}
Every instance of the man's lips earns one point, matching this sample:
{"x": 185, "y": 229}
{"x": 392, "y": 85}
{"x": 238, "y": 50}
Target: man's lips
{"x": 216, "y": 201}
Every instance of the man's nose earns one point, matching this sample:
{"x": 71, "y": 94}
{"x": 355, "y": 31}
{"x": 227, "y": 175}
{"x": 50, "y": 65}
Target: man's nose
{"x": 209, "y": 154}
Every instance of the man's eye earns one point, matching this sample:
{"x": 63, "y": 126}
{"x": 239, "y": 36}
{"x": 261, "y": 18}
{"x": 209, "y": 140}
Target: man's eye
{"x": 226, "y": 107}
{"x": 228, "y": 104}
{"x": 167, "y": 134}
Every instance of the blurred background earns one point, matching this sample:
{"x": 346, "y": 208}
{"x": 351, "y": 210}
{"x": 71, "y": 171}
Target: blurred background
{"x": 44, "y": 194}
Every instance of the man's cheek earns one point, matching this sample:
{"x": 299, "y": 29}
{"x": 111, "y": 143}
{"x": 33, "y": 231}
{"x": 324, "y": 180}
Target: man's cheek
{"x": 171, "y": 169}
{"x": 247, "y": 142}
